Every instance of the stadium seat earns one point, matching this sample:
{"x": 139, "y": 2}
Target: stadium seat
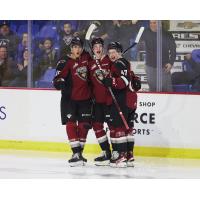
{"x": 179, "y": 79}
{"x": 24, "y": 29}
{"x": 13, "y": 27}
{"x": 182, "y": 88}
{"x": 46, "y": 80}
{"x": 48, "y": 31}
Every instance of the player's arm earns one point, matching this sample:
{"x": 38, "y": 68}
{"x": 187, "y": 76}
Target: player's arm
{"x": 61, "y": 73}
{"x": 120, "y": 81}
{"x": 135, "y": 82}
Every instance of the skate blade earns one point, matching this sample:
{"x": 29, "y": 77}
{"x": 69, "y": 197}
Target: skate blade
{"x": 118, "y": 165}
{"x": 130, "y": 164}
{"x": 77, "y": 164}
{"x": 103, "y": 163}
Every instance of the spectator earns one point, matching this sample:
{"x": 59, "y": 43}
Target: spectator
{"x": 22, "y": 46}
{"x": 105, "y": 31}
{"x": 82, "y": 27}
{"x": 47, "y": 59}
{"x": 8, "y": 39}
{"x": 124, "y": 31}
{"x": 6, "y": 67}
{"x": 191, "y": 73}
{"x": 66, "y": 36}
{"x": 20, "y": 72}
{"x": 168, "y": 57}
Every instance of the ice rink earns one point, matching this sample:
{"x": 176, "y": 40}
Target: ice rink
{"x": 33, "y": 164}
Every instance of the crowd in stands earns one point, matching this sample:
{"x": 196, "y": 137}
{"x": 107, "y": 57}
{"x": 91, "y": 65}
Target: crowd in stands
{"x": 50, "y": 40}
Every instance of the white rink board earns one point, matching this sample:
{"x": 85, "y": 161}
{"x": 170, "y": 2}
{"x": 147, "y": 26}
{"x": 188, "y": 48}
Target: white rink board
{"x": 176, "y": 121}
{"x": 35, "y": 115}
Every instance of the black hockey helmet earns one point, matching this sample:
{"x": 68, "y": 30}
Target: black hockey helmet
{"x": 97, "y": 41}
{"x": 76, "y": 41}
{"x": 115, "y": 45}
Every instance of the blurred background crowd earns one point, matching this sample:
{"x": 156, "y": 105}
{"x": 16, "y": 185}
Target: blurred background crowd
{"x": 29, "y": 51}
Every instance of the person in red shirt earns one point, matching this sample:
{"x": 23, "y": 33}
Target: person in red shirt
{"x": 100, "y": 93}
{"x": 120, "y": 81}
{"x": 72, "y": 79}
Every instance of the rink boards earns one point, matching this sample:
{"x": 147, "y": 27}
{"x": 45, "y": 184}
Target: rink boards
{"x": 165, "y": 124}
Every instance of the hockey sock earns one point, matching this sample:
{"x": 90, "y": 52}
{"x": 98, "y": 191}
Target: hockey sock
{"x": 130, "y": 139}
{"x": 71, "y": 129}
{"x": 112, "y": 138}
{"x": 101, "y": 136}
{"x": 119, "y": 139}
{"x": 83, "y": 128}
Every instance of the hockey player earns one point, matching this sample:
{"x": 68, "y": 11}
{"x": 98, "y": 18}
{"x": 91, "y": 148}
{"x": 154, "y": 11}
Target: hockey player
{"x": 131, "y": 100}
{"x": 100, "y": 93}
{"x": 122, "y": 139}
{"x": 72, "y": 80}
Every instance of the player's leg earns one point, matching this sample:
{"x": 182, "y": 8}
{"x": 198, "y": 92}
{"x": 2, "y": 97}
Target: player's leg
{"x": 108, "y": 120}
{"x": 71, "y": 129}
{"x": 84, "y": 122}
{"x": 98, "y": 127}
{"x": 130, "y": 138}
{"x": 118, "y": 138}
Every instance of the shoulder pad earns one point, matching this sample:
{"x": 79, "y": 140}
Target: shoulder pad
{"x": 122, "y": 64}
{"x": 61, "y": 63}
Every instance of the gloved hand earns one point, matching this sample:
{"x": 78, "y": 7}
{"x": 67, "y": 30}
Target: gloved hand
{"x": 107, "y": 82}
{"x": 136, "y": 84}
{"x": 59, "y": 84}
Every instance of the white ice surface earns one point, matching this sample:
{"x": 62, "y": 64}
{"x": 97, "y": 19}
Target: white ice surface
{"x": 33, "y": 164}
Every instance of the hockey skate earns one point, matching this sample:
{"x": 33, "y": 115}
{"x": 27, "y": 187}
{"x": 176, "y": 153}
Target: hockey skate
{"x": 130, "y": 159}
{"x": 103, "y": 159}
{"x": 118, "y": 160}
{"x": 76, "y": 160}
{"x": 83, "y": 158}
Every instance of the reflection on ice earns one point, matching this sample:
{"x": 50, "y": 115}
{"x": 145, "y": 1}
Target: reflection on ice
{"x": 29, "y": 164}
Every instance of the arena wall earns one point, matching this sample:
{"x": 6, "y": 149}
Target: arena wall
{"x": 165, "y": 124}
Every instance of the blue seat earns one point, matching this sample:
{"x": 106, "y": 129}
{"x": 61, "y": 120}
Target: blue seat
{"x": 180, "y": 79}
{"x": 46, "y": 80}
{"x": 182, "y": 88}
{"x": 186, "y": 67}
{"x": 24, "y": 29}
{"x": 13, "y": 27}
{"x": 48, "y": 31}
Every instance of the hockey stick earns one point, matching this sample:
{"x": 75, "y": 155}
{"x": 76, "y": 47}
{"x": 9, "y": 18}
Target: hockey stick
{"x": 87, "y": 37}
{"x": 137, "y": 39}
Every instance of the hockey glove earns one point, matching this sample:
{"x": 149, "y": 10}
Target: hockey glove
{"x": 59, "y": 84}
{"x": 107, "y": 82}
{"x": 136, "y": 84}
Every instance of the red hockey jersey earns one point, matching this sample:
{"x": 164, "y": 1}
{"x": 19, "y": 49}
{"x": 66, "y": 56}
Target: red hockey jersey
{"x": 78, "y": 70}
{"x": 121, "y": 85}
{"x": 100, "y": 92}
{"x": 120, "y": 75}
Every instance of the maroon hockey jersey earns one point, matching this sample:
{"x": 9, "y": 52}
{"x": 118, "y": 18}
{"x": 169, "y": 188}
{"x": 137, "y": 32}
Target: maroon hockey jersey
{"x": 78, "y": 70}
{"x": 121, "y": 85}
{"x": 100, "y": 92}
{"x": 120, "y": 74}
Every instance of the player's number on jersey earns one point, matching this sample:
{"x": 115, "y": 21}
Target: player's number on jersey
{"x": 124, "y": 72}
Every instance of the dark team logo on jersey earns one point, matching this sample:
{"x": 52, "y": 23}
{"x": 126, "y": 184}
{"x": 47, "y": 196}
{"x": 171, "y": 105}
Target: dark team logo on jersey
{"x": 82, "y": 72}
{"x": 100, "y": 74}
